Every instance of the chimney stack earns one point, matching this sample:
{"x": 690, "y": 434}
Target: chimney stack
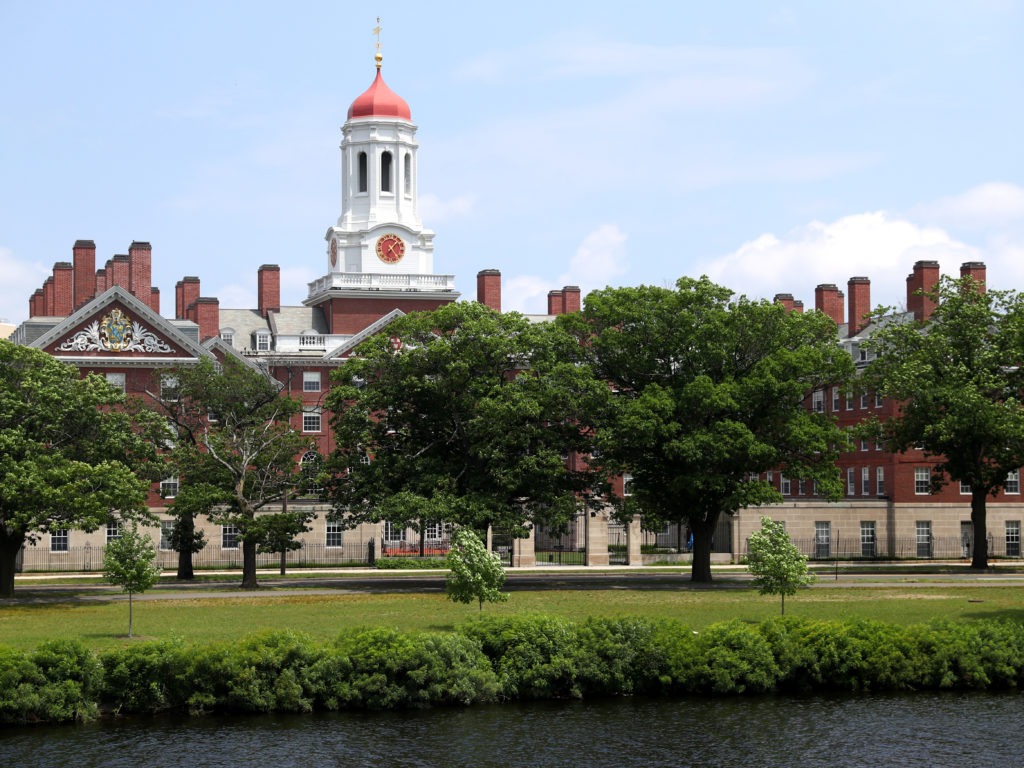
{"x": 923, "y": 279}
{"x": 488, "y": 288}
{"x": 140, "y": 270}
{"x": 859, "y": 303}
{"x": 206, "y": 313}
{"x": 976, "y": 271}
{"x": 63, "y": 288}
{"x": 829, "y": 300}
{"x": 189, "y": 294}
{"x": 269, "y": 289}
{"x": 119, "y": 272}
{"x": 555, "y": 302}
{"x": 785, "y": 299}
{"x": 570, "y": 299}
{"x": 83, "y": 256}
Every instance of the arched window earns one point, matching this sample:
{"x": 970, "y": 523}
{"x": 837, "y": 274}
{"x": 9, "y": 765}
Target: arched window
{"x": 362, "y": 171}
{"x": 310, "y": 468}
{"x": 407, "y": 174}
{"x": 385, "y": 172}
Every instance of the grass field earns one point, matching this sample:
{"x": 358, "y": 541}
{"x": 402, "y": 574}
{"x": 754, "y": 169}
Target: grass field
{"x": 102, "y": 622}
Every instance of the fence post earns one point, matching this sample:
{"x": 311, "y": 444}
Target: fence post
{"x": 371, "y": 555}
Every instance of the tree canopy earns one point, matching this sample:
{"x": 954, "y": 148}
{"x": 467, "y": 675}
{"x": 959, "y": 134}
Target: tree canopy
{"x": 710, "y": 390}
{"x": 128, "y": 562}
{"x": 235, "y": 451}
{"x": 474, "y": 573}
{"x": 463, "y": 415}
{"x": 778, "y": 567}
{"x": 958, "y": 383}
{"x": 69, "y": 452}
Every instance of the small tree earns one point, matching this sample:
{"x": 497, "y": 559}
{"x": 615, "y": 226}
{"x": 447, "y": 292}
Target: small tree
{"x": 128, "y": 563}
{"x": 777, "y": 565}
{"x": 278, "y": 532}
{"x": 475, "y": 573}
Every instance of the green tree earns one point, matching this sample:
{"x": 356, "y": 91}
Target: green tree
{"x": 467, "y": 418}
{"x": 128, "y": 563}
{"x": 777, "y": 565}
{"x": 958, "y": 382}
{"x": 71, "y": 452}
{"x": 278, "y": 531}
{"x": 235, "y": 450}
{"x": 473, "y": 572}
{"x": 710, "y": 391}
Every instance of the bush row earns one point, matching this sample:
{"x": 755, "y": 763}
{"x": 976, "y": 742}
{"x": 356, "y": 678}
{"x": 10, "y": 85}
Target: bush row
{"x": 496, "y": 659}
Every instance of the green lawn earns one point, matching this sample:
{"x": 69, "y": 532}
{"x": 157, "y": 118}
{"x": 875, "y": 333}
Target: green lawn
{"x": 103, "y": 622}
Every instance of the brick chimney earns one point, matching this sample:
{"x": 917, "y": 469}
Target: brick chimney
{"x": 798, "y": 306}
{"x": 923, "y": 279}
{"x": 83, "y": 256}
{"x": 976, "y": 271}
{"x": 269, "y": 289}
{"x": 63, "y": 288}
{"x": 101, "y": 281}
{"x": 858, "y": 303}
{"x": 189, "y": 294}
{"x": 488, "y": 288}
{"x": 48, "y": 297}
{"x": 119, "y": 272}
{"x": 154, "y": 299}
{"x": 829, "y": 300}
{"x": 35, "y": 303}
{"x": 555, "y": 302}
{"x": 140, "y": 270}
{"x": 206, "y": 313}
{"x": 570, "y": 299}
{"x": 785, "y": 299}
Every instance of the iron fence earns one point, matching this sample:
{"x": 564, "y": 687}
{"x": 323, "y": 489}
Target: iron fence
{"x": 909, "y": 547}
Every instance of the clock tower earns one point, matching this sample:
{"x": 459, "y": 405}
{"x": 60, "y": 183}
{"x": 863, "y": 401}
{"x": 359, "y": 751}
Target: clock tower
{"x": 378, "y": 250}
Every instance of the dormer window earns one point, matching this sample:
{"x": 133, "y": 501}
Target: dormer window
{"x": 262, "y": 341}
{"x": 227, "y": 335}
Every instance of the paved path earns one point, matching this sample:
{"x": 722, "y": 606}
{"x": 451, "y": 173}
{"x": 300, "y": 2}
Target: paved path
{"x": 52, "y": 588}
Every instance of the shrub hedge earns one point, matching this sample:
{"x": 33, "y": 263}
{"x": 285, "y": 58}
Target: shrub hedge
{"x": 501, "y": 659}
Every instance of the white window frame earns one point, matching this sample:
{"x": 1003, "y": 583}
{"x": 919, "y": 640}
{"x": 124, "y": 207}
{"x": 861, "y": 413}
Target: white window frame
{"x": 1012, "y": 528}
{"x": 262, "y": 341}
{"x": 880, "y": 481}
{"x": 836, "y": 400}
{"x": 627, "y": 484}
{"x": 311, "y": 381}
{"x": 60, "y": 540}
{"x": 865, "y": 481}
{"x": 868, "y": 538}
{"x": 818, "y": 401}
{"x": 922, "y": 481}
{"x": 851, "y": 482}
{"x": 965, "y": 488}
{"x": 785, "y": 485}
{"x": 166, "y": 528}
{"x": 113, "y": 530}
{"x": 333, "y": 535}
{"x": 118, "y": 380}
{"x": 229, "y": 537}
{"x": 309, "y": 426}
{"x": 169, "y": 386}
{"x": 169, "y": 487}
{"x": 1012, "y": 486}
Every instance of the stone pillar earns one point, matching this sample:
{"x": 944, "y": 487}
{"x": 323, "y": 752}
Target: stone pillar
{"x": 634, "y": 538}
{"x": 524, "y": 553}
{"x": 597, "y": 538}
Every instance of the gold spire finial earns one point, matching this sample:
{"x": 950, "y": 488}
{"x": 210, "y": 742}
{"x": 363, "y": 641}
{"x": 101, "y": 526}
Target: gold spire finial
{"x": 378, "y": 57}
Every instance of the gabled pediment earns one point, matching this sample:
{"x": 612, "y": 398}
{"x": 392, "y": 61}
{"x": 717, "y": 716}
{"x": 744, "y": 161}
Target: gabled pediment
{"x": 345, "y": 349}
{"x": 116, "y": 327}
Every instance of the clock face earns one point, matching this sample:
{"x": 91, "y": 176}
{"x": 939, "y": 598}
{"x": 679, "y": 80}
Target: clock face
{"x": 334, "y": 252}
{"x": 390, "y": 249}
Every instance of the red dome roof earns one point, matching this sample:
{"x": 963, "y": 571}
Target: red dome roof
{"x": 379, "y": 101}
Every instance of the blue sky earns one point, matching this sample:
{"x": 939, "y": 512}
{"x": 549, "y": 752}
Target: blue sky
{"x": 771, "y": 145}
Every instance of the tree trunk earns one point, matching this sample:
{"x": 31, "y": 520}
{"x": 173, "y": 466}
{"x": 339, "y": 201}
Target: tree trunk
{"x": 10, "y": 545}
{"x": 979, "y": 512}
{"x": 703, "y": 531}
{"x": 129, "y": 614}
{"x": 284, "y": 558}
{"x": 187, "y": 533}
{"x": 249, "y": 565}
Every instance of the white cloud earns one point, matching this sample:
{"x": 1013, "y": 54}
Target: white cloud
{"x": 994, "y": 204}
{"x": 21, "y": 278}
{"x": 875, "y": 245}
{"x": 599, "y": 259}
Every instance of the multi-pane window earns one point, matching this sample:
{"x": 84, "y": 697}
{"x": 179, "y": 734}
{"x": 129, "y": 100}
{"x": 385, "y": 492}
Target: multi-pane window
{"x": 923, "y": 532}
{"x": 879, "y": 400}
{"x": 228, "y": 337}
{"x": 392, "y": 532}
{"x": 311, "y": 420}
{"x": 229, "y": 537}
{"x": 865, "y": 400}
{"x": 169, "y": 487}
{"x": 334, "y": 533}
{"x": 311, "y": 381}
{"x": 116, "y": 380}
{"x": 262, "y": 341}
{"x": 436, "y": 531}
{"x": 865, "y": 481}
{"x": 309, "y": 465}
{"x": 867, "y": 538}
{"x": 166, "y": 529}
{"x": 1012, "y": 482}
{"x": 822, "y": 539}
{"x": 922, "y": 480}
{"x": 169, "y": 388}
{"x": 818, "y": 401}
{"x": 880, "y": 481}
{"x": 1013, "y": 538}
{"x": 864, "y": 445}
{"x": 835, "y": 399}
{"x": 785, "y": 486}
{"x": 627, "y": 484}
{"x": 849, "y": 401}
{"x": 851, "y": 481}
{"x": 965, "y": 488}
{"x": 59, "y": 540}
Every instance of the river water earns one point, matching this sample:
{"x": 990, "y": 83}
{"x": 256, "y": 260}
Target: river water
{"x": 926, "y": 730}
